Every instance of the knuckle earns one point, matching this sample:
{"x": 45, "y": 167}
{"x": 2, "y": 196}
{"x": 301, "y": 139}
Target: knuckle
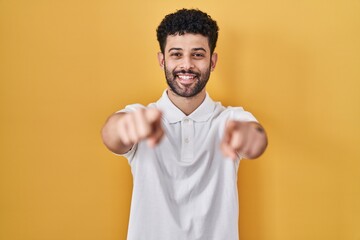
{"x": 127, "y": 117}
{"x": 248, "y": 153}
{"x": 236, "y": 145}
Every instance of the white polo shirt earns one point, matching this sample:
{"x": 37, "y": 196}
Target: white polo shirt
{"x": 185, "y": 188}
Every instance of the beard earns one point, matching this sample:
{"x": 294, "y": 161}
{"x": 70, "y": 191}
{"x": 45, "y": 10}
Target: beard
{"x": 191, "y": 90}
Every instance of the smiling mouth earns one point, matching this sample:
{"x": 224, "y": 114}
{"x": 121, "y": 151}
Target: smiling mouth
{"x": 186, "y": 78}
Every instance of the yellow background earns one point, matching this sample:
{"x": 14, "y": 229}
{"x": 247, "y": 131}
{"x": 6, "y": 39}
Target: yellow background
{"x": 65, "y": 66}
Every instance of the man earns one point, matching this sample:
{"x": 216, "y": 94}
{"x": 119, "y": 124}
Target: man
{"x": 184, "y": 150}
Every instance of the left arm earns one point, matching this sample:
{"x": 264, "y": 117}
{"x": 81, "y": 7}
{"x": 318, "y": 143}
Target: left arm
{"x": 247, "y": 139}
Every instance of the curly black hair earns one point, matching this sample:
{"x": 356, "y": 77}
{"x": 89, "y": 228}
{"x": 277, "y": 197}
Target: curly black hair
{"x": 188, "y": 21}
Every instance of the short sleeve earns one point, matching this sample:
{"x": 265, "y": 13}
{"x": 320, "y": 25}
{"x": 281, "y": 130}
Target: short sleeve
{"x": 131, "y": 108}
{"x": 239, "y": 114}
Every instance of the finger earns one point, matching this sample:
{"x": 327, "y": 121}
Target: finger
{"x": 237, "y": 140}
{"x": 257, "y": 146}
{"x": 229, "y": 127}
{"x": 252, "y": 151}
{"x": 143, "y": 128}
{"x": 226, "y": 148}
{"x": 155, "y": 138}
{"x": 123, "y": 133}
{"x": 157, "y": 133}
{"x": 153, "y": 115}
{"x": 228, "y": 151}
{"x": 131, "y": 129}
{"x": 246, "y": 149}
{"x": 252, "y": 144}
{"x": 241, "y": 139}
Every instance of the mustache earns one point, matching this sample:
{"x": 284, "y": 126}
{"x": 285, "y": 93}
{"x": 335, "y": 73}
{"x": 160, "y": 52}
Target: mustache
{"x": 185, "y": 72}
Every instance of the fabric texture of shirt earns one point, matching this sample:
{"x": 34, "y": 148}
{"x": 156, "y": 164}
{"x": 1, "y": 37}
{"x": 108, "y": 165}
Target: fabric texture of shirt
{"x": 185, "y": 188}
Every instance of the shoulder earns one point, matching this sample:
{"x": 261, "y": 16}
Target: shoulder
{"x": 135, "y": 106}
{"x": 234, "y": 113}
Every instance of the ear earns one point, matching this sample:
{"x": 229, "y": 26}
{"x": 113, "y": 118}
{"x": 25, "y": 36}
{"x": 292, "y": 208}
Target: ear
{"x": 161, "y": 59}
{"x": 214, "y": 58}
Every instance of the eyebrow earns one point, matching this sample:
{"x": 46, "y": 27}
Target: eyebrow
{"x": 174, "y": 49}
{"x": 197, "y": 49}
{"x": 194, "y": 49}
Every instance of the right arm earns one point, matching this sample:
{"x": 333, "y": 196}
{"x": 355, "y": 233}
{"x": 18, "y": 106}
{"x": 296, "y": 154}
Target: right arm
{"x": 123, "y": 130}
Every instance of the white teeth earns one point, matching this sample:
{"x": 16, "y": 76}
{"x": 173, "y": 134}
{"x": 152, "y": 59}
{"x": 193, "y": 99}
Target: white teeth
{"x": 186, "y": 77}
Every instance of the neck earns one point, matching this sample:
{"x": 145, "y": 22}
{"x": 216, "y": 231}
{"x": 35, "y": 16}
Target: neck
{"x": 186, "y": 104}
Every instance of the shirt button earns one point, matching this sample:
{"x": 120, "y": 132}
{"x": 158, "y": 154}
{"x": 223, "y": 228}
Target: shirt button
{"x": 186, "y": 120}
{"x": 187, "y": 140}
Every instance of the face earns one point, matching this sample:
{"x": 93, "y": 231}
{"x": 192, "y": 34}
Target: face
{"x": 187, "y": 63}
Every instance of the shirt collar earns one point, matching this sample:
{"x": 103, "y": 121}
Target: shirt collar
{"x": 173, "y": 114}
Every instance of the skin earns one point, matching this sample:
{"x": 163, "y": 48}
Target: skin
{"x": 187, "y": 63}
{"x": 188, "y": 52}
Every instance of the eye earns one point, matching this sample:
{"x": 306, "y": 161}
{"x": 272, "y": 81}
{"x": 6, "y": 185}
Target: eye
{"x": 175, "y": 54}
{"x": 198, "y": 55}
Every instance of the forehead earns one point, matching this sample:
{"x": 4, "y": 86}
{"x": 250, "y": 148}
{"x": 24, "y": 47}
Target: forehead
{"x": 187, "y": 41}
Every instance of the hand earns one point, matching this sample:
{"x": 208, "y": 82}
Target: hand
{"x": 247, "y": 139}
{"x": 139, "y": 125}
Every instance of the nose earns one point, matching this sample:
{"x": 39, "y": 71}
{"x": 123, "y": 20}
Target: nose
{"x": 187, "y": 63}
